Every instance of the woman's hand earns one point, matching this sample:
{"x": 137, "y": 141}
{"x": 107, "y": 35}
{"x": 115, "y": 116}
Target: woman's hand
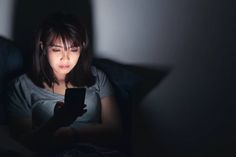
{"x": 66, "y": 115}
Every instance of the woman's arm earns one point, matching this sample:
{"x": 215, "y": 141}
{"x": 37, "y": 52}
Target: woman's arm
{"x": 107, "y": 132}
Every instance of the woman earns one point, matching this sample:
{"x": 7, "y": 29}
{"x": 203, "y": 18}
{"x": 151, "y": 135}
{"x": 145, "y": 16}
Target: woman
{"x": 36, "y": 110}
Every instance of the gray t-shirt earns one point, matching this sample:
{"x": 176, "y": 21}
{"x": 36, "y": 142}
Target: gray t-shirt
{"x": 26, "y": 100}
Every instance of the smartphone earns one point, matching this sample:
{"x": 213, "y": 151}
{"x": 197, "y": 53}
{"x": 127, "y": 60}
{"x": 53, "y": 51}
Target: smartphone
{"x": 74, "y": 97}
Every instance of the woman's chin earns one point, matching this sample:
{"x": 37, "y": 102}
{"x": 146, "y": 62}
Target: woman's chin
{"x": 62, "y": 72}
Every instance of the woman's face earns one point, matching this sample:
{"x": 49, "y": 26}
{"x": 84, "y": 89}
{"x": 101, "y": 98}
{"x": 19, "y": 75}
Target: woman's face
{"x": 62, "y": 58}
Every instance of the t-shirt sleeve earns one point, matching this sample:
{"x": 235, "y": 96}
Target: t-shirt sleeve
{"x": 18, "y": 100}
{"x": 105, "y": 87}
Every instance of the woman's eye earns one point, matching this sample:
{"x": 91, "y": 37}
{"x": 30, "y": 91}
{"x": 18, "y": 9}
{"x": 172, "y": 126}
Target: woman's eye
{"x": 55, "y": 50}
{"x": 74, "y": 49}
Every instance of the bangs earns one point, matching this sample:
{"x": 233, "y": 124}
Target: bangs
{"x": 69, "y": 37}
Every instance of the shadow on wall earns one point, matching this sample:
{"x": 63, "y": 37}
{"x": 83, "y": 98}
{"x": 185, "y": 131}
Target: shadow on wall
{"x": 29, "y": 14}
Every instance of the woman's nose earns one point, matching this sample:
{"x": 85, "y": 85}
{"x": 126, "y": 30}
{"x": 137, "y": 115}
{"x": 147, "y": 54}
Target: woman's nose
{"x": 65, "y": 56}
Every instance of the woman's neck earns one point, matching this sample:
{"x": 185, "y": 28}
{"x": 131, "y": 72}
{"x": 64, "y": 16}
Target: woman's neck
{"x": 58, "y": 88}
{"x": 61, "y": 79}
{"x": 61, "y": 82}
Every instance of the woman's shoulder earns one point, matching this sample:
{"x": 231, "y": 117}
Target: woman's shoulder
{"x": 103, "y": 83}
{"x": 22, "y": 81}
{"x": 101, "y": 77}
{"x": 22, "y": 78}
{"x": 98, "y": 73}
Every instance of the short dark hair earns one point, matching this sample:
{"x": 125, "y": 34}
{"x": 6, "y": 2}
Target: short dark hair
{"x": 69, "y": 28}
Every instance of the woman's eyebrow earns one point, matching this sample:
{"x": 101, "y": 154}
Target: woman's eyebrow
{"x": 60, "y": 46}
{"x": 55, "y": 45}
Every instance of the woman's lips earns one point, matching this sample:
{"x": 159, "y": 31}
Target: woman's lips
{"x": 64, "y": 66}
